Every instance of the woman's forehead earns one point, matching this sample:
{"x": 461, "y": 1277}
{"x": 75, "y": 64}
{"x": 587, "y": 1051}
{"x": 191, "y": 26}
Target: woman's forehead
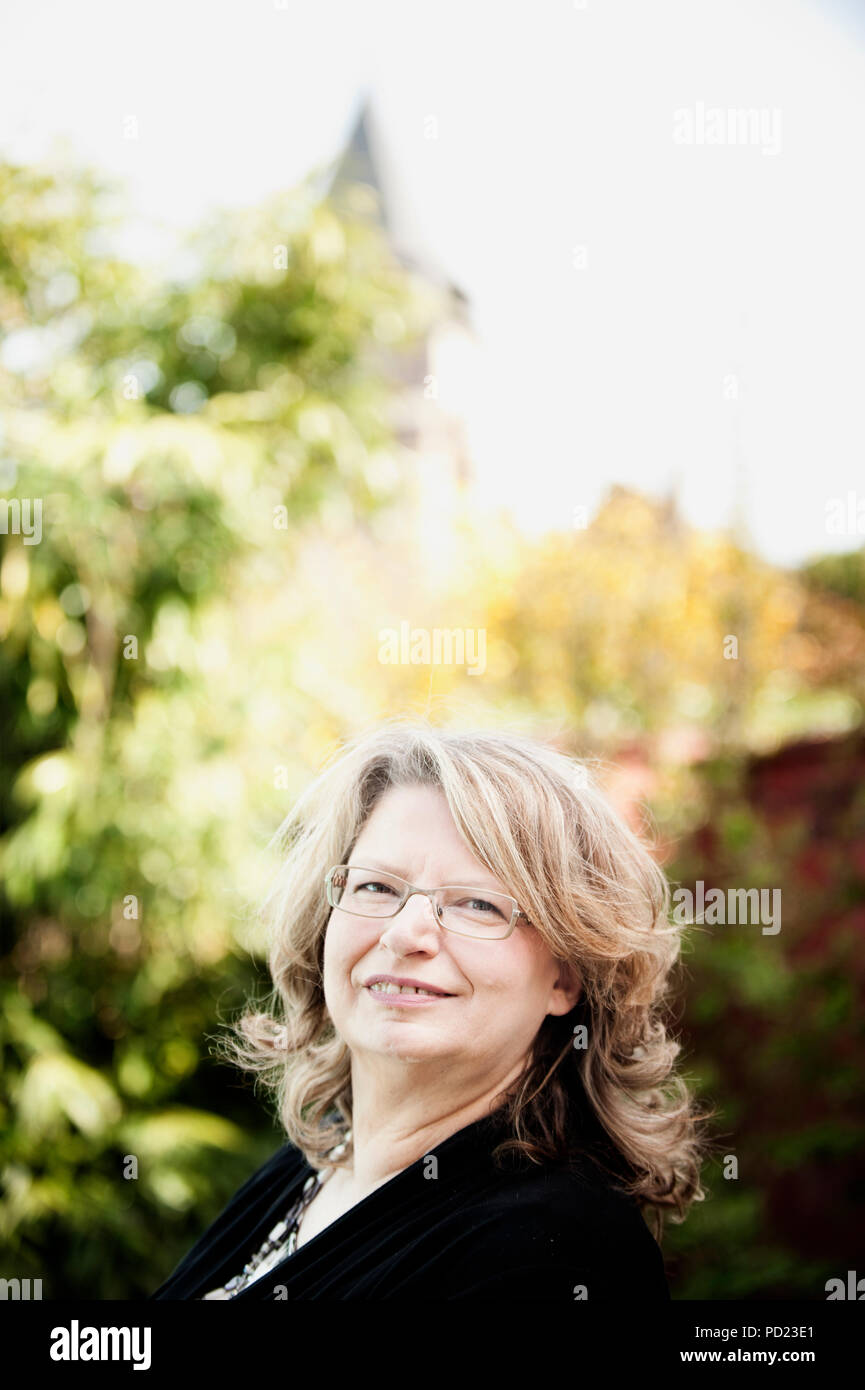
{"x": 410, "y": 830}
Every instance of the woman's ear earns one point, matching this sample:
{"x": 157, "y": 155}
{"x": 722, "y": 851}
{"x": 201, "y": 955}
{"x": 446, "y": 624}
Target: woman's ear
{"x": 567, "y": 989}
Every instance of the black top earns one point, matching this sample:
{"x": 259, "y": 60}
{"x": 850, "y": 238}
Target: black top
{"x": 528, "y": 1233}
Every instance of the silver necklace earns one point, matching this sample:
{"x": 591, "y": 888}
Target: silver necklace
{"x": 282, "y": 1240}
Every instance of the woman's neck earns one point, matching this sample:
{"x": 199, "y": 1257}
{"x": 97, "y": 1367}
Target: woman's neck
{"x": 387, "y": 1138}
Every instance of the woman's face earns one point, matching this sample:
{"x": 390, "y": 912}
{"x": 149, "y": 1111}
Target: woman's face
{"x": 498, "y": 991}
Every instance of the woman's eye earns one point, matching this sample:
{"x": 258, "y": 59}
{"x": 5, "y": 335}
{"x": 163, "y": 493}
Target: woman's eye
{"x": 371, "y": 884}
{"x": 480, "y": 904}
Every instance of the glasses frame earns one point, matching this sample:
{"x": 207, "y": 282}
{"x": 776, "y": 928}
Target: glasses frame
{"x": 411, "y": 889}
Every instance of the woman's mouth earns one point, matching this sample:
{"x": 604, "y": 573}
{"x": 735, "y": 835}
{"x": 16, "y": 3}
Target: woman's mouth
{"x": 403, "y": 994}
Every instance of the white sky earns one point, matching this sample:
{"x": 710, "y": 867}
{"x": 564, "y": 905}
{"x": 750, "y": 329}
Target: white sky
{"x": 555, "y": 130}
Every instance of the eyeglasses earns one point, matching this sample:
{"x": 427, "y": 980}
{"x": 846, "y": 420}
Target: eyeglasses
{"x": 466, "y": 911}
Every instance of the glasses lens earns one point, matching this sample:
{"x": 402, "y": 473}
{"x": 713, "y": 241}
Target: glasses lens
{"x": 473, "y": 913}
{"x": 366, "y": 892}
{"x": 467, "y": 911}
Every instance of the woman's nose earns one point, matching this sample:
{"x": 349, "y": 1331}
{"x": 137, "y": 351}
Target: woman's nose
{"x": 417, "y": 917}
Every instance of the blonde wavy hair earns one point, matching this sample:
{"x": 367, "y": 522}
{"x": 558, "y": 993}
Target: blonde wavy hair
{"x": 536, "y": 818}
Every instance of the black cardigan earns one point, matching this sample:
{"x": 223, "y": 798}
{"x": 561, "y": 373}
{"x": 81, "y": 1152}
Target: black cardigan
{"x": 527, "y": 1233}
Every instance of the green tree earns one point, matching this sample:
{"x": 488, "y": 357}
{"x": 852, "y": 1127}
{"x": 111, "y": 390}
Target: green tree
{"x": 175, "y": 437}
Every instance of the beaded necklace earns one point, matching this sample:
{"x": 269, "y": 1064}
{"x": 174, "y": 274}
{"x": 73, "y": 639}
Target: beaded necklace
{"x": 282, "y": 1240}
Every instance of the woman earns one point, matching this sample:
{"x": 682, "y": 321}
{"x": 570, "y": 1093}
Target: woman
{"x": 470, "y": 954}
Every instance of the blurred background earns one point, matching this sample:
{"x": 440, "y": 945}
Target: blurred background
{"x": 493, "y": 364}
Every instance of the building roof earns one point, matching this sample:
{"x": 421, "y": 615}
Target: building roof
{"x": 366, "y": 160}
